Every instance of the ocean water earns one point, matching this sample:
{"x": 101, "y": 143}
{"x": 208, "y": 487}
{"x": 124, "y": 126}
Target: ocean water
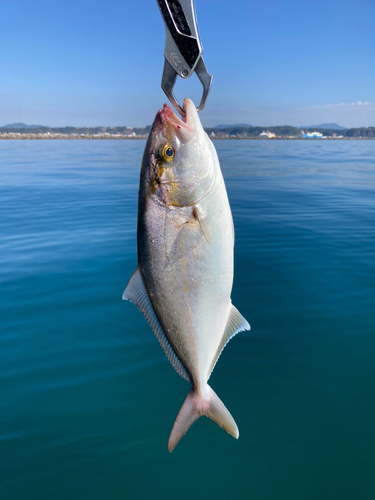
{"x": 87, "y": 396}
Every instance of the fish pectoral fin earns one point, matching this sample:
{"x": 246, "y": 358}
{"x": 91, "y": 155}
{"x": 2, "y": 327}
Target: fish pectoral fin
{"x": 137, "y": 293}
{"x": 236, "y": 323}
{"x": 205, "y": 228}
{"x": 194, "y": 407}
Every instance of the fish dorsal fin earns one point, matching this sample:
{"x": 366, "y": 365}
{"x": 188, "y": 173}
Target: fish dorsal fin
{"x": 136, "y": 292}
{"x": 236, "y": 323}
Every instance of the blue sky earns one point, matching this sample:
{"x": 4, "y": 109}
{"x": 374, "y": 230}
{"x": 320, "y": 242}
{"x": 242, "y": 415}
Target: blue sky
{"x": 274, "y": 62}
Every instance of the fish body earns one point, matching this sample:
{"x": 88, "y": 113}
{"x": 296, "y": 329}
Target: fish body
{"x": 184, "y": 277}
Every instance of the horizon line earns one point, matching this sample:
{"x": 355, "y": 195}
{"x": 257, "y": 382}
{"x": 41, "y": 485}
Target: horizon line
{"x": 221, "y": 126}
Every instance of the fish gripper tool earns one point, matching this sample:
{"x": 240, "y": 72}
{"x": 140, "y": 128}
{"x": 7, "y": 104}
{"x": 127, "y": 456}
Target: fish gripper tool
{"x": 183, "y": 49}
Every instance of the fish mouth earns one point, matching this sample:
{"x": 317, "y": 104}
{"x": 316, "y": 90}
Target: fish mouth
{"x": 183, "y": 128}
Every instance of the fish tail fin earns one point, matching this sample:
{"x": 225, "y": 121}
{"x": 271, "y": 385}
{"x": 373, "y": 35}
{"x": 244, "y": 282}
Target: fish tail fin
{"x": 194, "y": 407}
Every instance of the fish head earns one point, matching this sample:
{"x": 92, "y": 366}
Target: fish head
{"x": 181, "y": 159}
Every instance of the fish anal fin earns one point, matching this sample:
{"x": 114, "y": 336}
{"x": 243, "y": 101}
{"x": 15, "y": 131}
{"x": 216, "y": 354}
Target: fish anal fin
{"x": 236, "y": 323}
{"x": 136, "y": 292}
{"x": 205, "y": 228}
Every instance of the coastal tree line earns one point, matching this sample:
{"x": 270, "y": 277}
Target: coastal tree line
{"x": 231, "y": 131}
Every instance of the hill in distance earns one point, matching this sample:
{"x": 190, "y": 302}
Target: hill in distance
{"x": 21, "y": 125}
{"x": 235, "y": 125}
{"x": 328, "y": 126}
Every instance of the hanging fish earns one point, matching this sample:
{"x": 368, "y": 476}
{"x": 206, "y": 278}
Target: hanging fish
{"x": 184, "y": 277}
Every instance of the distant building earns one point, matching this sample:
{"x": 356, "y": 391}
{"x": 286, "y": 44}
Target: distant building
{"x": 268, "y": 134}
{"x": 311, "y": 135}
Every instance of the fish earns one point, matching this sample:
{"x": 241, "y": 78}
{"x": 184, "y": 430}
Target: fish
{"x": 184, "y": 277}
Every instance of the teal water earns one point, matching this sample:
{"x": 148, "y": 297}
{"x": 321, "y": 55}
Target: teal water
{"x": 87, "y": 396}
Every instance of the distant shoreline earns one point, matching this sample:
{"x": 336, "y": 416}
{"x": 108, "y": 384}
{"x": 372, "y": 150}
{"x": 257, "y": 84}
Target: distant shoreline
{"x": 83, "y": 137}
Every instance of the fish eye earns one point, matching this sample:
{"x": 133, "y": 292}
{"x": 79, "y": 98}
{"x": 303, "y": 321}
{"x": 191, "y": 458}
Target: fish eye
{"x": 166, "y": 152}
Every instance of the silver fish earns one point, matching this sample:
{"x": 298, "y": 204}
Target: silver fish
{"x": 184, "y": 277}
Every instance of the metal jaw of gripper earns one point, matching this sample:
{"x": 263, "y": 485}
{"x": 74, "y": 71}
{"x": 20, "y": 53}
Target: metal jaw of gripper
{"x": 183, "y": 49}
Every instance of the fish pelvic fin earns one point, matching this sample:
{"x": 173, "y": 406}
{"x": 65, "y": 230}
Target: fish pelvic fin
{"x": 195, "y": 406}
